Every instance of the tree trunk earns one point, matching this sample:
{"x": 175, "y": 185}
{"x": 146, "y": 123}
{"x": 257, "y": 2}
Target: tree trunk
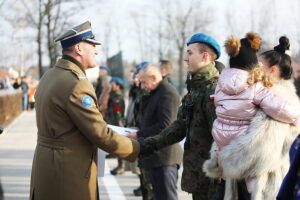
{"x": 180, "y": 74}
{"x": 39, "y": 41}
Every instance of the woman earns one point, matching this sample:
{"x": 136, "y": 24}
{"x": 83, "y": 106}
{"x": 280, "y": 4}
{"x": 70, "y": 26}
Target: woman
{"x": 263, "y": 151}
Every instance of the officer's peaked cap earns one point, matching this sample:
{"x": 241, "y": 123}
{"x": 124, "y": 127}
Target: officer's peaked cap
{"x": 206, "y": 39}
{"x": 82, "y": 32}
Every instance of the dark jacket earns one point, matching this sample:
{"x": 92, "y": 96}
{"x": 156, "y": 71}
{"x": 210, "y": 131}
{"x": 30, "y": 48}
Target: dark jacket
{"x": 114, "y": 113}
{"x": 159, "y": 110}
{"x": 203, "y": 114}
{"x": 98, "y": 87}
{"x": 290, "y": 186}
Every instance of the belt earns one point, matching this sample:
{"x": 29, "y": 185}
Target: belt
{"x": 50, "y": 142}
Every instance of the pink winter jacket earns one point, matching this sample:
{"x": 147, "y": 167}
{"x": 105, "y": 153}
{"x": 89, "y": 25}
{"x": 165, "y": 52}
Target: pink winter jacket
{"x": 237, "y": 103}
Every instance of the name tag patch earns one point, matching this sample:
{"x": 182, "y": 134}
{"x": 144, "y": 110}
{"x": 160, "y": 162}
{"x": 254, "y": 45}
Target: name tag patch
{"x": 87, "y": 101}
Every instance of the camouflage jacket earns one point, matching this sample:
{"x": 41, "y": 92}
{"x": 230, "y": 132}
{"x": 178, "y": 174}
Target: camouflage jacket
{"x": 115, "y": 109}
{"x": 201, "y": 86}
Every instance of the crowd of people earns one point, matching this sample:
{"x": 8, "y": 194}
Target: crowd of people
{"x": 26, "y": 85}
{"x": 239, "y": 123}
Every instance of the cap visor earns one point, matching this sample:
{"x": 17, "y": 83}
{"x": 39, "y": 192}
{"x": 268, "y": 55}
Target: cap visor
{"x": 93, "y": 41}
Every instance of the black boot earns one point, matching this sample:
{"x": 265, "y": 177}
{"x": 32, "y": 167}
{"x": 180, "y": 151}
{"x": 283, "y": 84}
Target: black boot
{"x": 120, "y": 169}
{"x": 138, "y": 192}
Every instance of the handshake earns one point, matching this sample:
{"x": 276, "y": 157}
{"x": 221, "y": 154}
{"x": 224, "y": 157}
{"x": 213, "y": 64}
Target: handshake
{"x": 147, "y": 148}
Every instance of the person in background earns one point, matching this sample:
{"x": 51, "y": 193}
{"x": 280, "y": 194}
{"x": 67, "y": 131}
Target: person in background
{"x": 17, "y": 83}
{"x": 103, "y": 80}
{"x": 24, "y": 86}
{"x": 115, "y": 114}
{"x": 32, "y": 87}
{"x": 166, "y": 69}
{"x": 159, "y": 109}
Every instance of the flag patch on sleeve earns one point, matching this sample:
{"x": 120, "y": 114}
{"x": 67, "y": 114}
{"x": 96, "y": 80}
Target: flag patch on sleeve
{"x": 87, "y": 101}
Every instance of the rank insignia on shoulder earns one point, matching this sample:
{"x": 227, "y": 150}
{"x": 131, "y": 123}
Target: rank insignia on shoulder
{"x": 212, "y": 97}
{"x": 87, "y": 101}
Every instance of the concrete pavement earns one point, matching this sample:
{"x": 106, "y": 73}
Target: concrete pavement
{"x": 17, "y": 144}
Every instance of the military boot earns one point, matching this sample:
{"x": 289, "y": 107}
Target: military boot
{"x": 120, "y": 169}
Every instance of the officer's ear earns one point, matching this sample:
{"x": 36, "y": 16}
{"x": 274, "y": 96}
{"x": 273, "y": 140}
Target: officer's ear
{"x": 78, "y": 48}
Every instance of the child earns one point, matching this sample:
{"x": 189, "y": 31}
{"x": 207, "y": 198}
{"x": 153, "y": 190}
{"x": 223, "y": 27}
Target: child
{"x": 242, "y": 90}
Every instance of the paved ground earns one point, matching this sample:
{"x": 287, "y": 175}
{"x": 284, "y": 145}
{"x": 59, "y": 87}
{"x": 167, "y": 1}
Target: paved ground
{"x": 17, "y": 145}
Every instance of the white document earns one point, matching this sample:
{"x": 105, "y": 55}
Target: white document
{"x": 122, "y": 130}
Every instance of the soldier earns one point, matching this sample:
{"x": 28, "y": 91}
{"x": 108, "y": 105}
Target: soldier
{"x": 114, "y": 114}
{"x": 195, "y": 117}
{"x": 103, "y": 80}
{"x": 70, "y": 127}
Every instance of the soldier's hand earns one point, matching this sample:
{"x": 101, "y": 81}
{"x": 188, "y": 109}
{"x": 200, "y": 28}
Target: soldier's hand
{"x": 145, "y": 149}
{"x": 132, "y": 136}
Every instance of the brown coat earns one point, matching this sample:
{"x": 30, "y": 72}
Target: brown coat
{"x": 69, "y": 131}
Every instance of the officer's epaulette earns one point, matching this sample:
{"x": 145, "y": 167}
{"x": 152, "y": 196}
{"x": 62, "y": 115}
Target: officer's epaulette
{"x": 78, "y": 75}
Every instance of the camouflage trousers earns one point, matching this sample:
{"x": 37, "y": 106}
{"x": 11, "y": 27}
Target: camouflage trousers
{"x": 147, "y": 190}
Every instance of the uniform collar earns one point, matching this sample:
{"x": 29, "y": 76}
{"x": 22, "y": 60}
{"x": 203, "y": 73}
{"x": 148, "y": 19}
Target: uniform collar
{"x": 206, "y": 73}
{"x": 70, "y": 63}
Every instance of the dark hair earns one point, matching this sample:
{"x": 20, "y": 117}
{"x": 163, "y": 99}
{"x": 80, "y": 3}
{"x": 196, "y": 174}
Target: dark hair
{"x": 280, "y": 58}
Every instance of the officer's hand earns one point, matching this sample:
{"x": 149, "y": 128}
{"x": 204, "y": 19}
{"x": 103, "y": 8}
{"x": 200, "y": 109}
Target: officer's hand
{"x": 145, "y": 149}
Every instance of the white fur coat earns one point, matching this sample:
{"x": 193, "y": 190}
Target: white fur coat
{"x": 261, "y": 153}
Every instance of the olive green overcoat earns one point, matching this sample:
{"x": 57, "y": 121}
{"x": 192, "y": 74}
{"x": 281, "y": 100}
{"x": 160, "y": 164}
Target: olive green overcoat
{"x": 70, "y": 129}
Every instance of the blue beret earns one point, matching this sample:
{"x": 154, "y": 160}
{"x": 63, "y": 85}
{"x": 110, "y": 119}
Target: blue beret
{"x": 104, "y": 68}
{"x": 118, "y": 80}
{"x": 82, "y": 32}
{"x": 202, "y": 38}
{"x": 140, "y": 66}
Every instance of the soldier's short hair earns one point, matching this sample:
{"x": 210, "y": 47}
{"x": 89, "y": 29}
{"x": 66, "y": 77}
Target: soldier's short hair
{"x": 205, "y": 48}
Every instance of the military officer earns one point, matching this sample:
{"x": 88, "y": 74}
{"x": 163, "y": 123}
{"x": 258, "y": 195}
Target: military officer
{"x": 70, "y": 127}
{"x": 195, "y": 117}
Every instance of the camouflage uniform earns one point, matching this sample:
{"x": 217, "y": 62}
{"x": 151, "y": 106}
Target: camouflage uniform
{"x": 115, "y": 108}
{"x": 198, "y": 133}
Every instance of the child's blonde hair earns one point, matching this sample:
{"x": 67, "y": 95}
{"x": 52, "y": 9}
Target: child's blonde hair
{"x": 257, "y": 74}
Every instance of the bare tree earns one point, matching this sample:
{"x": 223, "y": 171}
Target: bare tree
{"x": 49, "y": 20}
{"x": 182, "y": 23}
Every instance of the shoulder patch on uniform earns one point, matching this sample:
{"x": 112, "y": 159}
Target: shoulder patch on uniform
{"x": 87, "y": 101}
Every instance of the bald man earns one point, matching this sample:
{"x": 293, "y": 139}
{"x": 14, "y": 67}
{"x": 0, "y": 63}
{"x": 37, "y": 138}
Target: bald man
{"x": 159, "y": 110}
